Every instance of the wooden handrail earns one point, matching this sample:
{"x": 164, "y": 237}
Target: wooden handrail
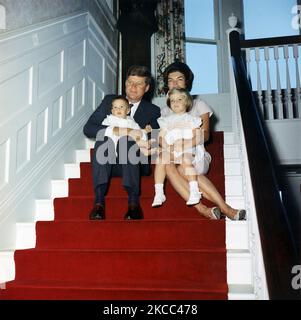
{"x": 280, "y": 252}
{"x": 270, "y": 42}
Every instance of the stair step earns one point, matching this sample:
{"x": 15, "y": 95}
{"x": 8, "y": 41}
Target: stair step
{"x": 78, "y": 208}
{"x": 7, "y": 269}
{"x": 145, "y": 234}
{"x": 72, "y": 170}
{"x": 231, "y": 151}
{"x": 237, "y": 235}
{"x": 68, "y": 290}
{"x": 127, "y": 267}
{"x": 80, "y": 187}
{"x": 230, "y": 138}
{"x": 233, "y": 167}
{"x": 59, "y": 188}
{"x": 84, "y": 170}
{"x": 44, "y": 210}
{"x": 82, "y": 155}
{"x": 234, "y": 186}
{"x": 89, "y": 143}
{"x": 240, "y": 264}
{"x": 71, "y": 233}
{"x": 26, "y": 235}
{"x": 241, "y": 292}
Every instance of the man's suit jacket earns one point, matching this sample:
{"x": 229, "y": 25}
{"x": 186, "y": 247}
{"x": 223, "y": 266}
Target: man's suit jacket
{"x": 146, "y": 114}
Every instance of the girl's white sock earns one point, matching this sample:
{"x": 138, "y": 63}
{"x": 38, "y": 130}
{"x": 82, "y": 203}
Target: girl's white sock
{"x": 159, "y": 188}
{"x": 193, "y": 186}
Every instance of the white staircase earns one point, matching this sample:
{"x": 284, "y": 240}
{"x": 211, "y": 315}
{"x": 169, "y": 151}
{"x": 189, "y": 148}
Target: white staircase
{"x": 239, "y": 257}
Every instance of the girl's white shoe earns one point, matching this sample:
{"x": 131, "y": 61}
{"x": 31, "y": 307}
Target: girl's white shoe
{"x": 194, "y": 198}
{"x": 158, "y": 200}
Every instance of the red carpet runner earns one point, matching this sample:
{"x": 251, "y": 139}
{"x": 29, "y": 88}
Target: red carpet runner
{"x": 172, "y": 254}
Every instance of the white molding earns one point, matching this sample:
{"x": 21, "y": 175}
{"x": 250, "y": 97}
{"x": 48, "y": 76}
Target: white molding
{"x": 17, "y": 43}
{"x": 101, "y": 39}
{"x": 108, "y": 13}
{"x": 2, "y": 17}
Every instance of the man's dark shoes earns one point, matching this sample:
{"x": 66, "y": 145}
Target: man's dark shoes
{"x": 134, "y": 212}
{"x": 98, "y": 212}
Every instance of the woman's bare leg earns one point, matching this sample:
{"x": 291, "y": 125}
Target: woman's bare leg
{"x": 181, "y": 185}
{"x": 211, "y": 193}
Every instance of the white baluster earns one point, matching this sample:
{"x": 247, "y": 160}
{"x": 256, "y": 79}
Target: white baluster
{"x": 278, "y": 96}
{"x": 268, "y": 94}
{"x": 288, "y": 90}
{"x": 248, "y": 60}
{"x": 297, "y": 93}
{"x": 259, "y": 86}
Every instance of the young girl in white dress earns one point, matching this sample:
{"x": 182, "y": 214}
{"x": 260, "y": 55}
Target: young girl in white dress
{"x": 178, "y": 125}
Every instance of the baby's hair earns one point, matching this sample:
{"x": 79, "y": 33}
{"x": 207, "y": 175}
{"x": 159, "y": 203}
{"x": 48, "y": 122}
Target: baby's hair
{"x": 184, "y": 93}
{"x": 123, "y": 98}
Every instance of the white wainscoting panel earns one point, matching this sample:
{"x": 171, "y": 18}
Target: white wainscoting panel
{"x": 4, "y": 160}
{"x": 52, "y": 76}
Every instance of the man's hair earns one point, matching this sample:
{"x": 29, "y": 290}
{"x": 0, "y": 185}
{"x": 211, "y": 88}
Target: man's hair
{"x": 183, "y": 92}
{"x": 180, "y": 67}
{"x": 140, "y": 71}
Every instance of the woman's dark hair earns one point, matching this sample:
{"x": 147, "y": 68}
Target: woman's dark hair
{"x": 181, "y": 67}
{"x": 140, "y": 71}
{"x": 185, "y": 93}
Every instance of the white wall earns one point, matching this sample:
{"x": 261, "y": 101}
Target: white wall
{"x": 286, "y": 140}
{"x": 51, "y": 78}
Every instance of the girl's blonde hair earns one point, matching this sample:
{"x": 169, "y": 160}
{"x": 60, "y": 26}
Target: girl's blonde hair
{"x": 184, "y": 93}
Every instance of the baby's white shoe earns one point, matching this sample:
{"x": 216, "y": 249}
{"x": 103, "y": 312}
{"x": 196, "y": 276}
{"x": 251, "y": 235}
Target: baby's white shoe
{"x": 158, "y": 200}
{"x": 194, "y": 198}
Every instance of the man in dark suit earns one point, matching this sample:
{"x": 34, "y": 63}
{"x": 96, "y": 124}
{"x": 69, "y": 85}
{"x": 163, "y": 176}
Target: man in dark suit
{"x": 145, "y": 114}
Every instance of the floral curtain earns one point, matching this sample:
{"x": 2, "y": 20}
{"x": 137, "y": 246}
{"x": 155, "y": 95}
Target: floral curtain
{"x": 169, "y": 40}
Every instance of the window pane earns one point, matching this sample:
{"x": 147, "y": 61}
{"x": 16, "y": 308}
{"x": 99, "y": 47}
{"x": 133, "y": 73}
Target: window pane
{"x": 202, "y": 59}
{"x": 269, "y": 18}
{"x": 199, "y": 19}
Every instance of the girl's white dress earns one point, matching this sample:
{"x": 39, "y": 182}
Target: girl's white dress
{"x": 180, "y": 126}
{"x": 202, "y": 159}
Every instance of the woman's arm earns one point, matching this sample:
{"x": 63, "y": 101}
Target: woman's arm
{"x": 206, "y": 126}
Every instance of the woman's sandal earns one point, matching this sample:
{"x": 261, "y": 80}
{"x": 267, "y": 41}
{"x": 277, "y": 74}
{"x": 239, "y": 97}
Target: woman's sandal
{"x": 240, "y": 215}
{"x": 215, "y": 213}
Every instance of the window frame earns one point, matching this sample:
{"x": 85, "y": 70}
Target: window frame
{"x": 216, "y": 41}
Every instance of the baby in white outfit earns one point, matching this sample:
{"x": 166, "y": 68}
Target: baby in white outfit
{"x": 120, "y": 119}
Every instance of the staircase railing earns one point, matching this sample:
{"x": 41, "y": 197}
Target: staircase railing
{"x": 276, "y": 60}
{"x": 280, "y": 252}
